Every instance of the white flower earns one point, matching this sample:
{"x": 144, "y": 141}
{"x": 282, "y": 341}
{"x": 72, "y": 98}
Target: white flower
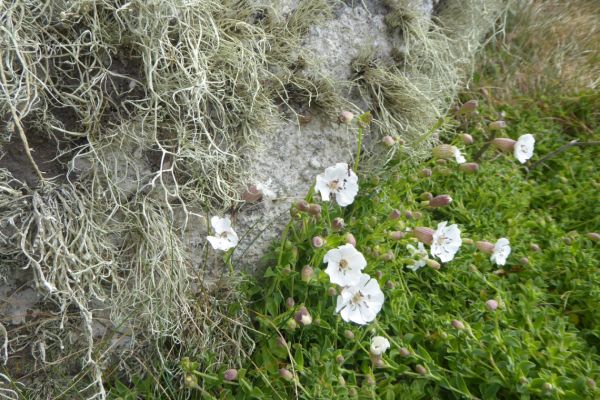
{"x": 524, "y": 148}
{"x": 379, "y": 345}
{"x": 501, "y": 251}
{"x": 339, "y": 181}
{"x": 360, "y": 303}
{"x": 419, "y": 256}
{"x": 458, "y": 156}
{"x": 225, "y": 237}
{"x": 344, "y": 265}
{"x": 446, "y": 241}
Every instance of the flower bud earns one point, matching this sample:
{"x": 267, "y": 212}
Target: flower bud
{"x": 491, "y": 305}
{"x": 433, "y": 264}
{"x": 426, "y": 196}
{"x": 467, "y": 241}
{"x": 469, "y": 167}
{"x": 286, "y": 270}
{"x": 294, "y": 212}
{"x": 468, "y": 107}
{"x": 548, "y": 387}
{"x": 378, "y": 274}
{"x": 466, "y": 138}
{"x": 314, "y": 209}
{"x": 349, "y": 334}
{"x": 456, "y": 324}
{"x": 303, "y": 317}
{"x": 291, "y": 324}
{"x": 421, "y": 370}
{"x": 595, "y": 236}
{"x": 388, "y": 256}
{"x": 417, "y": 215}
{"x": 425, "y": 172}
{"x": 497, "y": 125}
{"x": 318, "y": 242}
{"x": 396, "y": 235}
{"x": 352, "y": 392}
{"x": 191, "y": 381}
{"x": 424, "y": 235}
{"x": 331, "y": 291}
{"x": 339, "y": 359}
{"x": 302, "y": 205}
{"x": 395, "y": 214}
{"x": 286, "y": 374}
{"x": 289, "y": 302}
{"x": 524, "y": 261}
{"x": 350, "y": 239}
{"x": 370, "y": 380}
{"x": 440, "y": 201}
{"x": 390, "y": 285}
{"x": 378, "y": 362}
{"x": 567, "y": 240}
{"x": 230, "y": 375}
{"x": 409, "y": 215}
{"x": 404, "y": 352}
{"x": 346, "y": 117}
{"x": 338, "y": 224}
{"x": 485, "y": 246}
{"x": 307, "y": 273}
{"x": 341, "y": 381}
{"x": 504, "y": 144}
{"x": 252, "y": 194}
{"x": 443, "y": 151}
{"x": 591, "y": 383}
{"x": 441, "y": 161}
{"x": 388, "y": 141}
{"x": 534, "y": 247}
{"x": 444, "y": 171}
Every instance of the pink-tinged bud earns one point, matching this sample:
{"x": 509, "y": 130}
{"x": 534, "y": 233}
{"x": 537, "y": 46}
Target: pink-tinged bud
{"x": 568, "y": 241}
{"x": 388, "y": 256}
{"x": 378, "y": 274}
{"x": 497, "y": 125}
{"x": 289, "y": 302}
{"x": 524, "y": 261}
{"x": 468, "y": 107}
{"x": 466, "y": 138}
{"x": 331, "y": 291}
{"x": 433, "y": 264}
{"x": 456, "y": 324}
{"x": 302, "y": 205}
{"x": 485, "y": 246}
{"x": 421, "y": 370}
{"x": 504, "y": 144}
{"x": 591, "y": 383}
{"x": 417, "y": 215}
{"x": 388, "y": 141}
{"x": 467, "y": 241}
{"x": 318, "y": 242}
{"x": 349, "y": 334}
{"x": 423, "y": 235}
{"x": 350, "y": 239}
{"x": 491, "y": 305}
{"x": 426, "y": 172}
{"x": 440, "y": 201}
{"x": 286, "y": 374}
{"x": 409, "y": 215}
{"x": 396, "y": 235}
{"x": 426, "y": 196}
{"x": 378, "y": 362}
{"x": 303, "y": 317}
{"x": 314, "y": 209}
{"x": 534, "y": 247}
{"x": 499, "y": 272}
{"x": 306, "y": 273}
{"x": 338, "y": 224}
{"x": 595, "y": 236}
{"x": 370, "y": 380}
{"x": 395, "y": 214}
{"x": 444, "y": 151}
{"x": 339, "y": 359}
{"x": 404, "y": 352}
{"x": 469, "y": 167}
{"x": 230, "y": 375}
{"x": 441, "y": 161}
{"x": 390, "y": 285}
{"x": 252, "y": 194}
{"x": 346, "y": 117}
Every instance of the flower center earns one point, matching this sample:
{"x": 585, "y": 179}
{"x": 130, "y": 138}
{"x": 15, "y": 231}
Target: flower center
{"x": 223, "y": 235}
{"x": 358, "y": 297}
{"x": 343, "y": 264}
{"x": 334, "y": 185}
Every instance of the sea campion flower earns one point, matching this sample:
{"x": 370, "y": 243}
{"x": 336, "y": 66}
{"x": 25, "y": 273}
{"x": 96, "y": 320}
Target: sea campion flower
{"x": 344, "y": 265}
{"x": 501, "y": 251}
{"x": 460, "y": 159}
{"x": 419, "y": 256}
{"x": 446, "y": 241}
{"x": 225, "y": 237}
{"x": 524, "y": 148}
{"x": 339, "y": 181}
{"x": 361, "y": 302}
{"x": 379, "y": 345}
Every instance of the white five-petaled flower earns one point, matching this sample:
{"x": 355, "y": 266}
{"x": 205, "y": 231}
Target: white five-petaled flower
{"x": 446, "y": 241}
{"x": 501, "y": 251}
{"x": 419, "y": 256}
{"x": 344, "y": 265}
{"x": 379, "y": 345}
{"x": 360, "y": 303}
{"x": 339, "y": 181}
{"x": 460, "y": 159}
{"x": 524, "y": 148}
{"x": 225, "y": 237}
